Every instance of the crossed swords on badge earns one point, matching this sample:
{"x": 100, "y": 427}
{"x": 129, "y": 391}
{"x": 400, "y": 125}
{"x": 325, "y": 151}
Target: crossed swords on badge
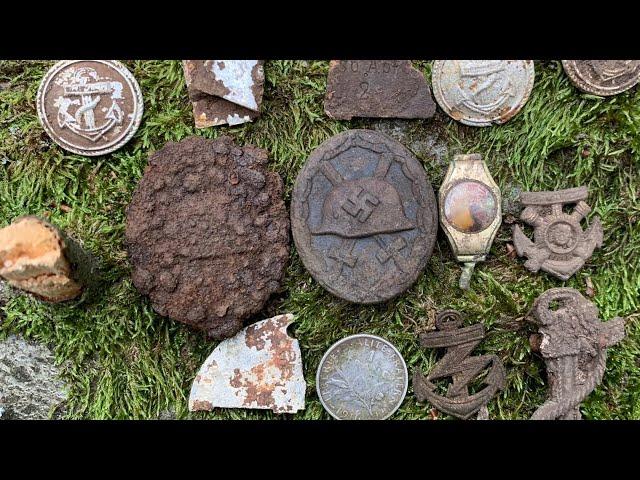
{"x": 359, "y": 202}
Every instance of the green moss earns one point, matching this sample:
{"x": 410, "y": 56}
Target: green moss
{"x": 122, "y": 360}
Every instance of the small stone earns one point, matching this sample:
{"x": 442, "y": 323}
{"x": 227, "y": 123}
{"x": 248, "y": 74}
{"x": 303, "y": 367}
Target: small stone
{"x": 30, "y": 387}
{"x": 377, "y": 88}
{"x": 34, "y": 256}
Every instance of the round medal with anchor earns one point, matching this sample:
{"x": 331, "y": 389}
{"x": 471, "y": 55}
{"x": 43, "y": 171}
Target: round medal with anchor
{"x": 364, "y": 216}
{"x": 90, "y": 107}
{"x": 481, "y": 93}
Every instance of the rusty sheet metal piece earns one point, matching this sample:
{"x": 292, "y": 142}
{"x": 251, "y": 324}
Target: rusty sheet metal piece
{"x": 224, "y": 91}
{"x": 574, "y": 345}
{"x": 377, "y": 89}
{"x": 261, "y": 367}
{"x": 561, "y": 247}
{"x": 470, "y": 211}
{"x": 603, "y": 77}
{"x": 463, "y": 369}
{"x": 481, "y": 93}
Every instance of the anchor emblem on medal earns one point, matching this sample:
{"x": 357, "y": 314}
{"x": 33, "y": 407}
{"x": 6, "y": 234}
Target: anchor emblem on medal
{"x": 484, "y": 86}
{"x": 82, "y": 92}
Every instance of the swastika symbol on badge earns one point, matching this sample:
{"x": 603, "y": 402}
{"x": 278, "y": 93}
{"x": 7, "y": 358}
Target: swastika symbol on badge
{"x": 360, "y": 205}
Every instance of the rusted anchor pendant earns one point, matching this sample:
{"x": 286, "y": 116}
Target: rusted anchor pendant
{"x": 574, "y": 346}
{"x": 460, "y": 367}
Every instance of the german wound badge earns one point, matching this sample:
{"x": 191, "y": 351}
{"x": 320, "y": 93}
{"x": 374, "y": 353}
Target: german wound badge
{"x": 574, "y": 345}
{"x": 470, "y": 211}
{"x": 560, "y": 245}
{"x": 459, "y": 341}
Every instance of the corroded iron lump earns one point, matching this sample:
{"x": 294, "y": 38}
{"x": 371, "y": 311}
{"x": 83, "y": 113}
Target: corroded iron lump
{"x": 207, "y": 233}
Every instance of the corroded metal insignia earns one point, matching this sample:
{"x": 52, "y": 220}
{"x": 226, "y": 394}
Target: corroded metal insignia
{"x": 560, "y": 245}
{"x": 603, "y": 77}
{"x": 456, "y": 364}
{"x": 482, "y": 92}
{"x": 470, "y": 211}
{"x": 573, "y": 345}
{"x": 261, "y": 367}
{"x": 90, "y": 107}
{"x": 363, "y": 216}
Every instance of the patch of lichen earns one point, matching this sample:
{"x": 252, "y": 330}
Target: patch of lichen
{"x": 122, "y": 360}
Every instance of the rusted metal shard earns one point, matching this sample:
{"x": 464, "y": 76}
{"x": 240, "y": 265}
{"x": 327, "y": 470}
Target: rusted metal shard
{"x": 560, "y": 246}
{"x": 224, "y": 91}
{"x": 261, "y": 367}
{"x": 470, "y": 211}
{"x": 456, "y": 364}
{"x": 573, "y": 345}
{"x": 377, "y": 89}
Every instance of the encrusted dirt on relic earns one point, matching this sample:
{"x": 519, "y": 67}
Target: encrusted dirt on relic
{"x": 208, "y": 233}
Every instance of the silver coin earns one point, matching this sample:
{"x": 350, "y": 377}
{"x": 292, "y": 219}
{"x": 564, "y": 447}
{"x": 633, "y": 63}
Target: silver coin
{"x": 603, "y": 77}
{"x": 90, "y": 107}
{"x": 362, "y": 377}
{"x": 482, "y": 92}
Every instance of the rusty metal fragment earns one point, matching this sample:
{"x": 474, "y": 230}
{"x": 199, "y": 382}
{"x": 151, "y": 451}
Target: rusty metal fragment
{"x": 573, "y": 345}
{"x": 261, "y": 367}
{"x": 603, "y": 77}
{"x": 456, "y": 364}
{"x": 224, "y": 91}
{"x": 470, "y": 211}
{"x": 207, "y": 233}
{"x": 560, "y": 245}
{"x": 377, "y": 88}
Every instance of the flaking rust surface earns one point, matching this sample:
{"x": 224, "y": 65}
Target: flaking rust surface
{"x": 224, "y": 91}
{"x": 377, "y": 89}
{"x": 261, "y": 367}
{"x": 207, "y": 233}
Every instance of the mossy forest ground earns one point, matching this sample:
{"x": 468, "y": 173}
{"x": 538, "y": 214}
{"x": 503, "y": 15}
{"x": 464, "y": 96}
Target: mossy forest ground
{"x": 121, "y": 360}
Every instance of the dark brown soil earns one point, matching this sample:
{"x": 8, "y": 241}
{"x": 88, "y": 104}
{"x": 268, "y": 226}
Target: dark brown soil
{"x": 208, "y": 233}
